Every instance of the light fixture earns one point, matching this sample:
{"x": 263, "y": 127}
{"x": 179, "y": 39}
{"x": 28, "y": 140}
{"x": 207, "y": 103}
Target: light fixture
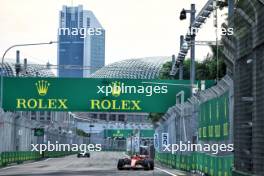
{"x": 183, "y": 14}
{"x": 185, "y": 45}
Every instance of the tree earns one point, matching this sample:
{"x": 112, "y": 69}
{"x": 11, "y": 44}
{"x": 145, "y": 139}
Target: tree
{"x": 155, "y": 116}
{"x": 205, "y": 70}
{"x": 80, "y": 132}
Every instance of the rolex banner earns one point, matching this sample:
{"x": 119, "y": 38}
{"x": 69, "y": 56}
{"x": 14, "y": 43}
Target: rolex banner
{"x": 91, "y": 95}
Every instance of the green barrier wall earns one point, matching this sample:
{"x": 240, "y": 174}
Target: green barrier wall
{"x": 209, "y": 164}
{"x": 214, "y": 119}
{"x": 213, "y": 126}
{"x": 21, "y": 156}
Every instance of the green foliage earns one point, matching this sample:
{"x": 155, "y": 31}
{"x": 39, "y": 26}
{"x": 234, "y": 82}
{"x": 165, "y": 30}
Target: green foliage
{"x": 222, "y": 4}
{"x": 155, "y": 116}
{"x": 80, "y": 132}
{"x": 205, "y": 70}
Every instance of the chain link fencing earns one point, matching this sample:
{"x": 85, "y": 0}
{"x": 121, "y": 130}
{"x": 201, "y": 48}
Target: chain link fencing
{"x": 245, "y": 54}
{"x": 17, "y": 133}
{"x": 205, "y": 119}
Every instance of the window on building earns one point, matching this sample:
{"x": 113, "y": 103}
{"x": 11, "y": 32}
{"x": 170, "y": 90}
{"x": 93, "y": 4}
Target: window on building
{"x": 112, "y": 117}
{"x": 88, "y": 22}
{"x": 25, "y": 114}
{"x": 33, "y": 115}
{"x": 121, "y": 117}
{"x": 41, "y": 115}
{"x": 62, "y": 15}
{"x": 102, "y": 116}
{"x": 81, "y": 19}
{"x": 94, "y": 116}
{"x": 48, "y": 116}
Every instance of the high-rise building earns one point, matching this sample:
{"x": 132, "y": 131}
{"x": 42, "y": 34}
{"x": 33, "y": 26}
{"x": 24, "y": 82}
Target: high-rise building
{"x": 81, "y": 47}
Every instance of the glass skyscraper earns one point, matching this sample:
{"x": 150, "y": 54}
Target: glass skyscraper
{"x": 81, "y": 47}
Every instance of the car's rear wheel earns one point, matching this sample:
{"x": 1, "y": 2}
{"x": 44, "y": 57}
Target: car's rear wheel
{"x": 78, "y": 155}
{"x": 146, "y": 165}
{"x": 120, "y": 164}
{"x": 87, "y": 155}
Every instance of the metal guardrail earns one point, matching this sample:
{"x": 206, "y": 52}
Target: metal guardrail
{"x": 200, "y": 115}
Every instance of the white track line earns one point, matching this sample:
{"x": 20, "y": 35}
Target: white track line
{"x": 167, "y": 172}
{"x": 25, "y": 164}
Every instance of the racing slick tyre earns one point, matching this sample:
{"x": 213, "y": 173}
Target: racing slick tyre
{"x": 87, "y": 155}
{"x": 78, "y": 155}
{"x": 120, "y": 164}
{"x": 151, "y": 164}
{"x": 146, "y": 165}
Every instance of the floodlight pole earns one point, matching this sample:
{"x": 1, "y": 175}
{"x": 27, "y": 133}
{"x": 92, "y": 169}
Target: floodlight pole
{"x": 181, "y": 63}
{"x": 3, "y": 57}
{"x": 230, "y": 8}
{"x": 193, "y": 33}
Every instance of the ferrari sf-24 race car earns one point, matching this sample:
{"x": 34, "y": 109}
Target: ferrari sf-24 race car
{"x": 136, "y": 161}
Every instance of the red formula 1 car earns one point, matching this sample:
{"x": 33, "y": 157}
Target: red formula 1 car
{"x": 136, "y": 161}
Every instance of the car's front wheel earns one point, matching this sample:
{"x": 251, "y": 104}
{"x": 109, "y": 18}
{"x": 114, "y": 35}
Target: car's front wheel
{"x": 151, "y": 164}
{"x": 120, "y": 164}
{"x": 146, "y": 165}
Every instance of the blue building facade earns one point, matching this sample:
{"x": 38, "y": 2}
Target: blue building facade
{"x": 81, "y": 47}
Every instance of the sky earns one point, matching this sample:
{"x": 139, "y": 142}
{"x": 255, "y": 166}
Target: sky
{"x": 134, "y": 28}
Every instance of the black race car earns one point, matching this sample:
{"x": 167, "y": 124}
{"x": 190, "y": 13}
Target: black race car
{"x": 83, "y": 154}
